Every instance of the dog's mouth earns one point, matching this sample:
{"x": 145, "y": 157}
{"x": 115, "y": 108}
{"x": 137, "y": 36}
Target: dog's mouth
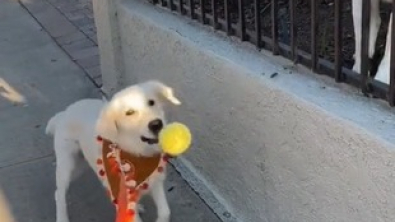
{"x": 150, "y": 141}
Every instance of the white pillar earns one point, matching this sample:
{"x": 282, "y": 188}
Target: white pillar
{"x": 109, "y": 40}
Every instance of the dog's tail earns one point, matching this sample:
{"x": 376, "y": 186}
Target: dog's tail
{"x": 52, "y": 123}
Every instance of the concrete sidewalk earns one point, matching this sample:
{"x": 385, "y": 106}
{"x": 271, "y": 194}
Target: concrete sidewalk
{"x": 37, "y": 79}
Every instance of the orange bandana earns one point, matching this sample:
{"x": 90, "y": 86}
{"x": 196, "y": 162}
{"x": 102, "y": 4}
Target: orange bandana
{"x": 125, "y": 175}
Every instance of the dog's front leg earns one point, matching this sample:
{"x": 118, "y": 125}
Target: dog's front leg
{"x": 159, "y": 196}
{"x": 138, "y": 218}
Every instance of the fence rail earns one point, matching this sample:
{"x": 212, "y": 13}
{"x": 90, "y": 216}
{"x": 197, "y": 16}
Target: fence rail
{"x": 276, "y": 25}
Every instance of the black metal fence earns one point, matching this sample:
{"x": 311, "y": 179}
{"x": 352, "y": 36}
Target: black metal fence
{"x": 315, "y": 33}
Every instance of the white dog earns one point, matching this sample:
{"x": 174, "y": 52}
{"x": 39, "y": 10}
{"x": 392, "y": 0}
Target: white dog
{"x": 132, "y": 119}
{"x": 383, "y": 72}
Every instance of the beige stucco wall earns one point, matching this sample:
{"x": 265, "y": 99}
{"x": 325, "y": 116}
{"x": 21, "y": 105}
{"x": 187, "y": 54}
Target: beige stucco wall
{"x": 271, "y": 154}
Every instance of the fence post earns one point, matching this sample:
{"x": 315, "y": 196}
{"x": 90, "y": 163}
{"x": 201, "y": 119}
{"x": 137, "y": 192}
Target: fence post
{"x": 391, "y": 40}
{"x": 109, "y": 40}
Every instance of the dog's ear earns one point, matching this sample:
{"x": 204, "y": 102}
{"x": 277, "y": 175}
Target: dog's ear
{"x": 106, "y": 125}
{"x": 164, "y": 92}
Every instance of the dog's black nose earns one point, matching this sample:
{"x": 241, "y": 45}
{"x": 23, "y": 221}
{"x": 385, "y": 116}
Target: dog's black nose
{"x": 155, "y": 126}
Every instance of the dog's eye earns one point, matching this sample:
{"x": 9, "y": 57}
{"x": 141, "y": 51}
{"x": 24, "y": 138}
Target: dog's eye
{"x": 130, "y": 112}
{"x": 151, "y": 102}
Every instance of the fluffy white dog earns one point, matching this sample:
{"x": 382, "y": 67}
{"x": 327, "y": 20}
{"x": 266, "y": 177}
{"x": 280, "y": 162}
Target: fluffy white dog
{"x": 132, "y": 119}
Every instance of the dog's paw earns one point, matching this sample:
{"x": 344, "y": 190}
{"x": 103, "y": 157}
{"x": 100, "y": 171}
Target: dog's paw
{"x": 140, "y": 208}
{"x": 163, "y": 219}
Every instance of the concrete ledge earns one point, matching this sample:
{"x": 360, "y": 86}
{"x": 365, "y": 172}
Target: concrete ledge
{"x": 273, "y": 141}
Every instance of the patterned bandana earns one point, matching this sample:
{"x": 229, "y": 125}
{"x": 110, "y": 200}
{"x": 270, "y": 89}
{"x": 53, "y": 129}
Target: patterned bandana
{"x": 126, "y": 175}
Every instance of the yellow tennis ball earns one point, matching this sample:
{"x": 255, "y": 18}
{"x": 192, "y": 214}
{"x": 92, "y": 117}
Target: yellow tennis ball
{"x": 175, "y": 139}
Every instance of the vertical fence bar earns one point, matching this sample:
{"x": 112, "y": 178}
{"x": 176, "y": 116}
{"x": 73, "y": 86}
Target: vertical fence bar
{"x": 171, "y": 5}
{"x": 214, "y": 13}
{"x": 365, "y": 45}
{"x": 180, "y": 5}
{"x": 162, "y": 2}
{"x": 192, "y": 9}
{"x": 257, "y": 7}
{"x": 227, "y": 18}
{"x": 314, "y": 29}
{"x": 274, "y": 14}
{"x": 391, "y": 94}
{"x": 155, "y": 1}
{"x": 292, "y": 8}
{"x": 338, "y": 40}
{"x": 203, "y": 11}
{"x": 242, "y": 26}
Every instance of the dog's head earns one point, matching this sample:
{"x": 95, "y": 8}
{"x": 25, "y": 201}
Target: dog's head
{"x": 134, "y": 116}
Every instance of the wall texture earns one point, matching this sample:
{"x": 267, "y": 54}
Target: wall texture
{"x": 264, "y": 145}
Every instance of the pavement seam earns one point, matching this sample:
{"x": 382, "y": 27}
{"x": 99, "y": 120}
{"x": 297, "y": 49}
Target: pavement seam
{"x": 27, "y": 161}
{"x": 97, "y": 85}
{"x": 201, "y": 188}
{"x": 198, "y": 194}
{"x": 79, "y": 29}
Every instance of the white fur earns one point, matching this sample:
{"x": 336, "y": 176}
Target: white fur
{"x": 383, "y": 72}
{"x": 75, "y": 130}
